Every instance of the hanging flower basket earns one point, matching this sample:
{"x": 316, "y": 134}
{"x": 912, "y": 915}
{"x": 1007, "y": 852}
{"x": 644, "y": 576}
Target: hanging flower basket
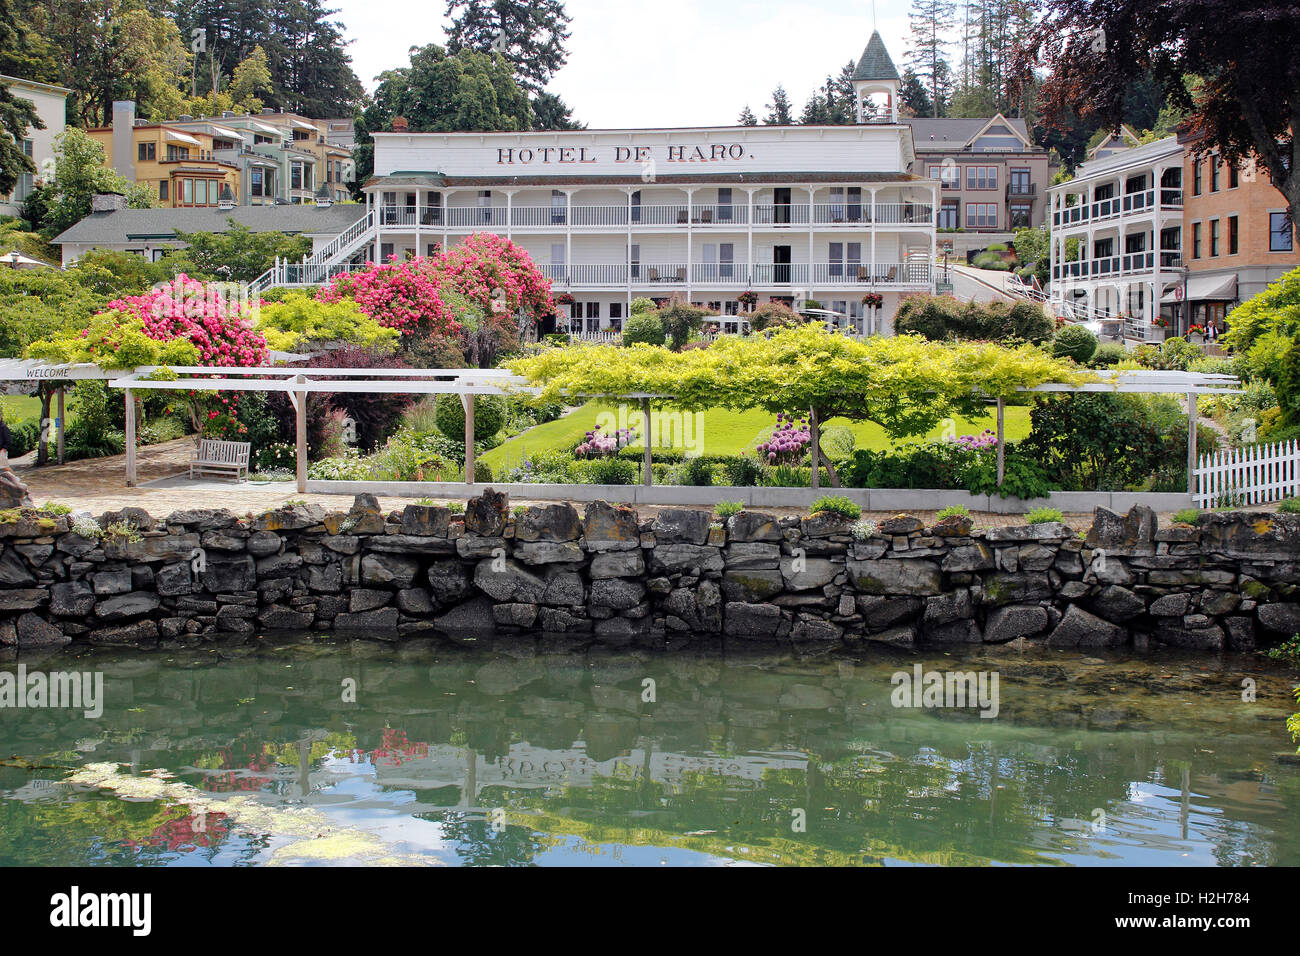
{"x": 747, "y": 298}
{"x": 873, "y": 300}
{"x": 563, "y": 298}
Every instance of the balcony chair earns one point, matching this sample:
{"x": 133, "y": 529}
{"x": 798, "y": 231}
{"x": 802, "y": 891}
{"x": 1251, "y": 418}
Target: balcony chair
{"x": 654, "y": 274}
{"x": 681, "y": 275}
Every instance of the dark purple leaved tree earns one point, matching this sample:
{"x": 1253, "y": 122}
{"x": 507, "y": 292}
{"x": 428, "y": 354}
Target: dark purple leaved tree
{"x": 1240, "y": 56}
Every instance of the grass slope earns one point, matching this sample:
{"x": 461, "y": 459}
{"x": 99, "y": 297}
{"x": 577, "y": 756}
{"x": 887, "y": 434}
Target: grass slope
{"x": 719, "y": 432}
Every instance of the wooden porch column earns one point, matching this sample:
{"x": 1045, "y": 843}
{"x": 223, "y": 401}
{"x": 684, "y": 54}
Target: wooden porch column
{"x": 300, "y": 437}
{"x": 62, "y": 422}
{"x": 648, "y": 478}
{"x": 816, "y": 449}
{"x": 1002, "y": 452}
{"x": 1191, "y": 443}
{"x": 130, "y": 439}
{"x": 468, "y": 401}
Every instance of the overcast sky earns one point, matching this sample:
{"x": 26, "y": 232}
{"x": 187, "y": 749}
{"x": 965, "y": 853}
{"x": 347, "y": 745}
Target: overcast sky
{"x": 662, "y": 62}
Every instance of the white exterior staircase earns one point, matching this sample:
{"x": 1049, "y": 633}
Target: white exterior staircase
{"x": 328, "y": 261}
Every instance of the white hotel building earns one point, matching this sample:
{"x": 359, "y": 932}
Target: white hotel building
{"x": 1125, "y": 210}
{"x": 794, "y": 213}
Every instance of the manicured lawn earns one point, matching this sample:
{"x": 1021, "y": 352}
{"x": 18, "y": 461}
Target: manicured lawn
{"x": 18, "y": 408}
{"x": 716, "y": 432}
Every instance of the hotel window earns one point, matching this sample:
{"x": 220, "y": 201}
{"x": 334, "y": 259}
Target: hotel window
{"x": 385, "y": 251}
{"x": 725, "y": 211}
{"x": 295, "y": 176}
{"x": 162, "y": 190}
{"x": 558, "y": 251}
{"x": 949, "y": 175}
{"x": 845, "y": 257}
{"x": 1214, "y": 174}
{"x": 1196, "y": 240}
{"x": 1137, "y": 242}
{"x": 979, "y": 215}
{"x": 981, "y": 177}
{"x": 256, "y": 184}
{"x": 1214, "y": 238}
{"x": 23, "y": 188}
{"x": 146, "y": 152}
{"x": 1234, "y": 176}
{"x": 636, "y": 206}
{"x": 485, "y": 205}
{"x": 431, "y": 250}
{"x": 616, "y": 310}
{"x": 950, "y": 215}
{"x": 1233, "y": 237}
{"x": 1279, "y": 232}
{"x": 1021, "y": 214}
{"x": 1196, "y": 177}
{"x": 1020, "y": 182}
{"x": 187, "y": 192}
{"x": 175, "y": 153}
{"x": 726, "y": 260}
{"x": 559, "y": 207}
{"x": 634, "y": 259}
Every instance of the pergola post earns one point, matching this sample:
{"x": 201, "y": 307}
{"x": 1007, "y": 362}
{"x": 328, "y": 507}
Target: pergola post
{"x": 1191, "y": 443}
{"x": 468, "y": 400}
{"x": 130, "y": 439}
{"x": 816, "y": 449}
{"x": 300, "y": 437}
{"x": 62, "y": 423}
{"x": 1002, "y": 452}
{"x": 648, "y": 478}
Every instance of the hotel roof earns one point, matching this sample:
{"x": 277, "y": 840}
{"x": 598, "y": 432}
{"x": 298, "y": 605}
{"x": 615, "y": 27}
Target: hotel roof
{"x": 126, "y": 225}
{"x": 875, "y": 63}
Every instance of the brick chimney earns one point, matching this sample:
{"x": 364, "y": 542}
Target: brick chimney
{"x": 107, "y": 202}
{"x": 400, "y": 125}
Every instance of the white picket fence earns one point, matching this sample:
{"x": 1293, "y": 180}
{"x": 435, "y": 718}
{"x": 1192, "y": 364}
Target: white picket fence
{"x": 1254, "y": 475}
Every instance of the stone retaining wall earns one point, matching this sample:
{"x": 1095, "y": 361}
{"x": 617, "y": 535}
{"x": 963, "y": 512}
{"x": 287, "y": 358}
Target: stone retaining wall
{"x": 1223, "y": 585}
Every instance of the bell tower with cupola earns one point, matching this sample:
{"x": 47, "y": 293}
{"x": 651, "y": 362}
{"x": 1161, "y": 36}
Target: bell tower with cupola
{"x": 876, "y": 84}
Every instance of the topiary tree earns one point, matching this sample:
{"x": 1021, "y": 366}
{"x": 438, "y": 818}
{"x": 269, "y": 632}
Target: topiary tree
{"x": 642, "y": 305}
{"x": 489, "y": 416}
{"x": 680, "y": 322}
{"x": 644, "y": 327}
{"x": 1075, "y": 342}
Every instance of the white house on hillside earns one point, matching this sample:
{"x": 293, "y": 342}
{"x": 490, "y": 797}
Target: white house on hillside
{"x": 38, "y": 143}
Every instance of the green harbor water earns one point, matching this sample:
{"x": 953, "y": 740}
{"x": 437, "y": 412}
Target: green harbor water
{"x": 550, "y": 752}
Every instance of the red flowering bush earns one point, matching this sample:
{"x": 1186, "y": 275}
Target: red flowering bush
{"x": 217, "y": 325}
{"x": 398, "y": 295}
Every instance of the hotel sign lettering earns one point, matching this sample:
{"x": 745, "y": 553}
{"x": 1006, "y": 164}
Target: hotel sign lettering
{"x": 581, "y": 155}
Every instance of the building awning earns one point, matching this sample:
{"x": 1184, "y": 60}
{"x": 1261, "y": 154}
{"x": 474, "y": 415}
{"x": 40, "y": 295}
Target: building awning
{"x": 1211, "y": 288}
{"x": 299, "y": 124}
{"x": 226, "y": 132}
{"x": 180, "y": 137}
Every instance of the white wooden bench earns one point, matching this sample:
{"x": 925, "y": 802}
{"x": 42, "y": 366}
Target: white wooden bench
{"x": 224, "y": 458}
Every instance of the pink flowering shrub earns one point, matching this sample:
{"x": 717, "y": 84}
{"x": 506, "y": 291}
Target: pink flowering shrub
{"x": 788, "y": 442}
{"x": 597, "y": 444}
{"x": 412, "y": 296}
{"x": 398, "y": 295}
{"x": 981, "y": 442}
{"x": 202, "y": 314}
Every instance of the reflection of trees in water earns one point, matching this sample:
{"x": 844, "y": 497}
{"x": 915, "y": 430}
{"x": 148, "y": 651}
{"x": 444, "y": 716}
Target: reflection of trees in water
{"x": 876, "y": 782}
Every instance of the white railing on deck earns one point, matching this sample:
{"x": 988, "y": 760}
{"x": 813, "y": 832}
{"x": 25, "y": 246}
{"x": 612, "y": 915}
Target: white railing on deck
{"x": 1254, "y": 475}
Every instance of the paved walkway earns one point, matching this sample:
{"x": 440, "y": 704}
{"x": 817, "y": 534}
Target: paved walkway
{"x": 98, "y": 485}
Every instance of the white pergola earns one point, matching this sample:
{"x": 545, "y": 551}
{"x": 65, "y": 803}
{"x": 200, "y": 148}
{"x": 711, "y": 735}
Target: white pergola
{"x": 298, "y": 382}
{"x": 38, "y": 372}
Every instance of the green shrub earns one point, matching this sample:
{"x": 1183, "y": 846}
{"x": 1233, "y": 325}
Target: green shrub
{"x": 726, "y": 509}
{"x": 611, "y": 471}
{"x": 1044, "y": 516}
{"x": 837, "y": 505}
{"x": 696, "y": 472}
{"x": 25, "y": 435}
{"x": 274, "y": 456}
{"x": 1288, "y": 652}
{"x": 838, "y": 442}
{"x": 641, "y": 305}
{"x": 482, "y": 472}
{"x": 489, "y": 416}
{"x": 1290, "y": 506}
{"x": 1076, "y": 342}
{"x": 1186, "y": 515}
{"x": 456, "y": 508}
{"x": 1108, "y": 355}
{"x": 350, "y": 466}
{"x": 644, "y": 327}
{"x": 954, "y": 511}
{"x": 743, "y": 471}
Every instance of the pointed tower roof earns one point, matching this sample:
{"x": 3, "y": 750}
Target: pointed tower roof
{"x": 875, "y": 63}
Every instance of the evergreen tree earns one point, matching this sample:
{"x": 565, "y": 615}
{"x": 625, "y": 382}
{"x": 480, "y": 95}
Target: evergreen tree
{"x": 779, "y": 111}
{"x": 913, "y": 97}
{"x": 551, "y": 112}
{"x": 747, "y": 117}
{"x": 530, "y": 34}
{"x": 816, "y": 112}
{"x": 17, "y": 116}
{"x": 930, "y": 21}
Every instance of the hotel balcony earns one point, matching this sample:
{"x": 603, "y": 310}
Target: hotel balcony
{"x": 1131, "y": 265}
{"x": 912, "y": 274}
{"x": 716, "y": 216}
{"x": 1131, "y": 204}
